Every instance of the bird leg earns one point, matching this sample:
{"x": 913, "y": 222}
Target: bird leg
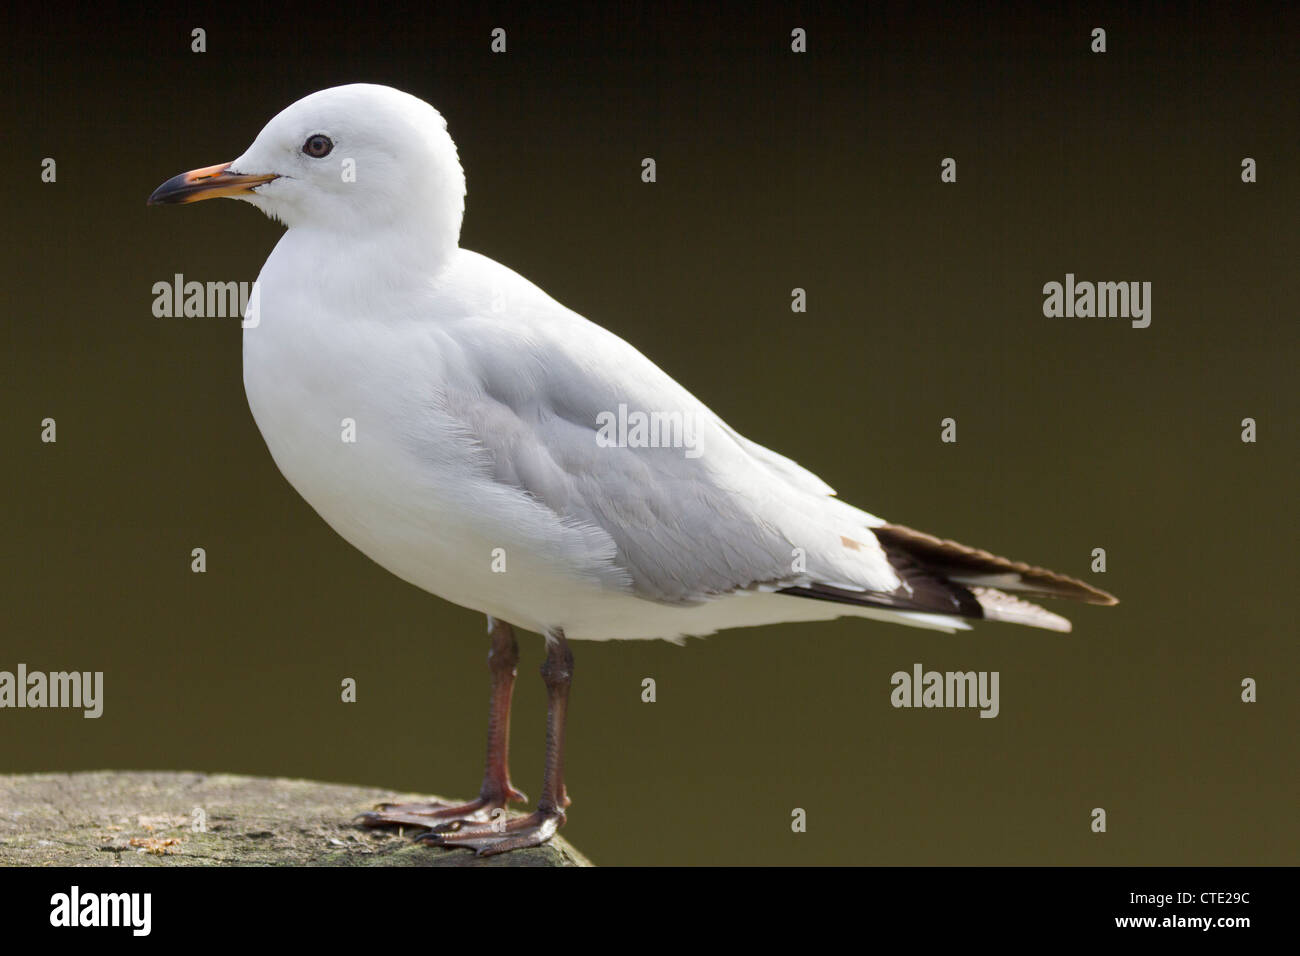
{"x": 537, "y": 827}
{"x": 503, "y": 657}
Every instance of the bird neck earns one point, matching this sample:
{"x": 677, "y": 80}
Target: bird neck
{"x": 392, "y": 259}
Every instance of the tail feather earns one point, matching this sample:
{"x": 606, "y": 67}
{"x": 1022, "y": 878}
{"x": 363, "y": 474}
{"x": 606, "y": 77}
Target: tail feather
{"x": 975, "y": 568}
{"x": 939, "y": 577}
{"x": 999, "y": 606}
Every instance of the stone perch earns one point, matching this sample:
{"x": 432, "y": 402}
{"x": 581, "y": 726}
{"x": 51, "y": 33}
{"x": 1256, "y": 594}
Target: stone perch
{"x": 148, "y": 818}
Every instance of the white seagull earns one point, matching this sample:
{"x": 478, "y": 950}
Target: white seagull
{"x": 510, "y": 456}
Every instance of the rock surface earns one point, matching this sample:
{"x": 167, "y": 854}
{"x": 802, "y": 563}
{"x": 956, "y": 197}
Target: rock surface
{"x": 109, "y": 818}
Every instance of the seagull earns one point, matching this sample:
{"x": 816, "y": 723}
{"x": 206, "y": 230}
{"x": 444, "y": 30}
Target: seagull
{"x": 482, "y": 442}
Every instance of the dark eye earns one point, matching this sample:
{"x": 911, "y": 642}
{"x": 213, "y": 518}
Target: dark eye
{"x": 317, "y": 146}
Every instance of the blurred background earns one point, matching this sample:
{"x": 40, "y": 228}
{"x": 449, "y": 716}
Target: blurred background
{"x": 775, "y": 171}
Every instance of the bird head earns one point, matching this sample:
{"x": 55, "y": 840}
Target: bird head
{"x": 349, "y": 159}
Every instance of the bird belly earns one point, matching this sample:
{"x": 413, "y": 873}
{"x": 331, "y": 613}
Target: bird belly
{"x": 363, "y": 442}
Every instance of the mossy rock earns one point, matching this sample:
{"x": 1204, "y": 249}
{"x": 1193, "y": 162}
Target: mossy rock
{"x": 147, "y": 818}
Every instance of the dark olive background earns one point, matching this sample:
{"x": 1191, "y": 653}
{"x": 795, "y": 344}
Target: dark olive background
{"x": 775, "y": 171}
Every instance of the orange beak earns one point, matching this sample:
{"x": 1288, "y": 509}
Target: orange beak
{"x": 206, "y": 183}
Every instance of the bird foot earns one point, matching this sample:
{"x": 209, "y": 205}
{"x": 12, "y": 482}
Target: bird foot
{"x": 478, "y": 810}
{"x": 499, "y": 836}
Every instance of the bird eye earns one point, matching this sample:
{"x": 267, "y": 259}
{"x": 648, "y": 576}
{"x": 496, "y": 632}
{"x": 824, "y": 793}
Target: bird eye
{"x": 317, "y": 146}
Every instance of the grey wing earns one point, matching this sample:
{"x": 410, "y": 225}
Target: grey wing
{"x": 688, "y": 523}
